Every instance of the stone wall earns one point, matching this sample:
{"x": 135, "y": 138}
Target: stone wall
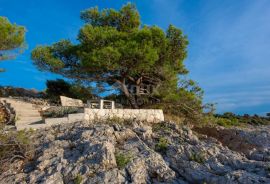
{"x": 149, "y": 115}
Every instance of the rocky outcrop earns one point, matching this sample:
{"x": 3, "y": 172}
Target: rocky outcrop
{"x": 253, "y": 141}
{"x": 133, "y": 153}
{"x": 7, "y": 114}
{"x": 6, "y": 91}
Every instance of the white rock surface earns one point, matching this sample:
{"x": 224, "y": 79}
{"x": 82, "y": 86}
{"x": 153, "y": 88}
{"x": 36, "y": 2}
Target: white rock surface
{"x": 90, "y": 152}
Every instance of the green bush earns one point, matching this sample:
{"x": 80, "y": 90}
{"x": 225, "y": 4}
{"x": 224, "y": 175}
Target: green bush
{"x": 197, "y": 157}
{"x": 227, "y": 122}
{"x": 162, "y": 145}
{"x": 58, "y": 112}
{"x": 122, "y": 160}
{"x": 14, "y": 146}
{"x": 231, "y": 119}
{"x": 78, "y": 179}
{"x": 116, "y": 120}
{"x": 59, "y": 87}
{"x": 161, "y": 127}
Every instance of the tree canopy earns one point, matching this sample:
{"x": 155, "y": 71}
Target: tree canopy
{"x": 12, "y": 37}
{"x": 115, "y": 49}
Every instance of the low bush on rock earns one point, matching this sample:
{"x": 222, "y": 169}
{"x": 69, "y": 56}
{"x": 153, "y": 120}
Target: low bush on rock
{"x": 197, "y": 157}
{"x": 15, "y": 146}
{"x": 78, "y": 179}
{"x": 161, "y": 127}
{"x": 58, "y": 112}
{"x": 122, "y": 160}
{"x": 116, "y": 121}
{"x": 162, "y": 145}
{"x": 231, "y": 119}
{"x": 227, "y": 122}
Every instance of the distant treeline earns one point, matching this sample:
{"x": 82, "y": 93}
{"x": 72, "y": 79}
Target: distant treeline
{"x": 230, "y": 119}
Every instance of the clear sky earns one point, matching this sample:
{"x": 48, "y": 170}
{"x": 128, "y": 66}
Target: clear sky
{"x": 228, "y": 55}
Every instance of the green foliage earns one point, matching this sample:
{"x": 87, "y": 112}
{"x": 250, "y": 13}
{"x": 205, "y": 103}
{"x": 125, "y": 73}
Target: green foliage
{"x": 127, "y": 19}
{"x": 15, "y": 145}
{"x": 162, "y": 145}
{"x": 59, "y": 87}
{"x": 56, "y": 88}
{"x": 58, "y": 112}
{"x": 268, "y": 169}
{"x": 12, "y": 37}
{"x": 231, "y": 119}
{"x": 198, "y": 157}
{"x": 116, "y": 51}
{"x": 122, "y": 160}
{"x": 161, "y": 127}
{"x": 116, "y": 120}
{"x": 181, "y": 102}
{"x": 78, "y": 179}
{"x": 227, "y": 122}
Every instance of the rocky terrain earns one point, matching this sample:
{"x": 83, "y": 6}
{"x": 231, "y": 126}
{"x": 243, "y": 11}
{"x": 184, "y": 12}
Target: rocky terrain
{"x": 139, "y": 153}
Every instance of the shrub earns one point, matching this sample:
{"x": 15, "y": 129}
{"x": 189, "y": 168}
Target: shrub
{"x": 122, "y": 160}
{"x": 174, "y": 118}
{"x": 56, "y": 88}
{"x": 78, "y": 179}
{"x": 58, "y": 112}
{"x": 59, "y": 87}
{"x": 227, "y": 122}
{"x": 197, "y": 157}
{"x": 15, "y": 146}
{"x": 161, "y": 127}
{"x": 162, "y": 145}
{"x": 231, "y": 119}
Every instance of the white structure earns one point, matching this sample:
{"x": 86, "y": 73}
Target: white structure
{"x": 101, "y": 104}
{"x": 70, "y": 102}
{"x": 149, "y": 115}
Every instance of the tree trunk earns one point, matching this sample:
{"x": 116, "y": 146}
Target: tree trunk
{"x": 133, "y": 102}
{"x": 130, "y": 97}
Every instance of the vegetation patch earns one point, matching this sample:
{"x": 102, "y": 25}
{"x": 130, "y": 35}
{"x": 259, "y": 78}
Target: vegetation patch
{"x": 15, "y": 146}
{"x": 227, "y": 122}
{"x": 230, "y": 119}
{"x": 58, "y": 112}
{"x": 161, "y": 127}
{"x": 122, "y": 159}
{"x": 198, "y": 157}
{"x": 59, "y": 87}
{"x": 115, "y": 120}
{"x": 162, "y": 145}
{"x": 78, "y": 179}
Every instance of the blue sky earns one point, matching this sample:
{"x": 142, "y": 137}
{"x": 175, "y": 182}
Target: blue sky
{"x": 228, "y": 54}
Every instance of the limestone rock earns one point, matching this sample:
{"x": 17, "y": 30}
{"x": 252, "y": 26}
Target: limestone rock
{"x": 113, "y": 153}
